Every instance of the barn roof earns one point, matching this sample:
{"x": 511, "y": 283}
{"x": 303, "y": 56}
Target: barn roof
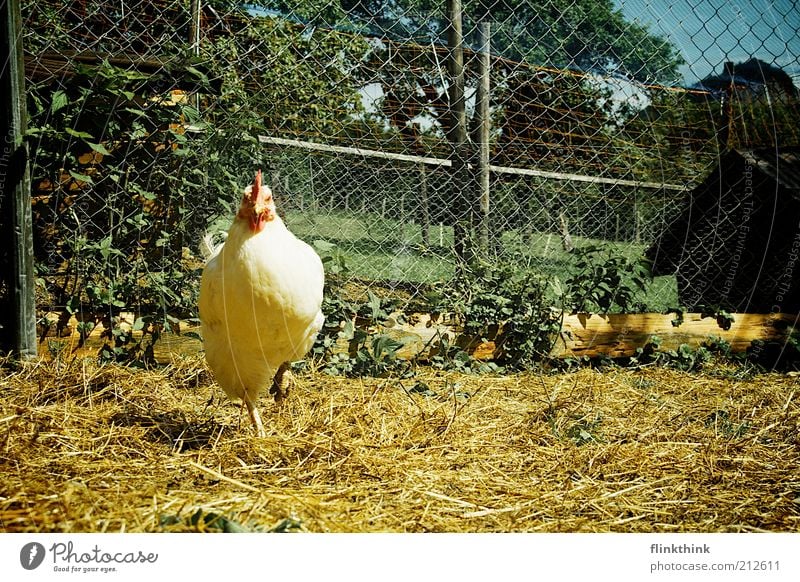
{"x": 735, "y": 244}
{"x": 754, "y": 75}
{"x": 781, "y": 165}
{"x": 778, "y": 166}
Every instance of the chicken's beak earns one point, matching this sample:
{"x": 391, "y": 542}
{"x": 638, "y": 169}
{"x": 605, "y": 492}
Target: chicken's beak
{"x": 258, "y": 221}
{"x": 258, "y": 206}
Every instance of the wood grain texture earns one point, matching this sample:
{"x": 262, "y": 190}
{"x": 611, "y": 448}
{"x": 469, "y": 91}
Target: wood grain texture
{"x": 615, "y": 335}
{"x": 619, "y": 335}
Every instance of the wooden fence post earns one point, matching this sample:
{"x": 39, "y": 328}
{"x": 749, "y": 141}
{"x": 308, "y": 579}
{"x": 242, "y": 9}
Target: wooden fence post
{"x": 18, "y": 316}
{"x": 484, "y": 123}
{"x": 461, "y": 205}
{"x": 425, "y": 225}
{"x": 194, "y": 33}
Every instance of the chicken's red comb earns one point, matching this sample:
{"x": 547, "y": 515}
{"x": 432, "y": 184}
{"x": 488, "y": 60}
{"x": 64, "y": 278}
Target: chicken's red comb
{"x": 256, "y": 192}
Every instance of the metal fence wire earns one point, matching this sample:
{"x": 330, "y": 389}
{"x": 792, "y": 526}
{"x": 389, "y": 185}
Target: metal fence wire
{"x": 572, "y": 123}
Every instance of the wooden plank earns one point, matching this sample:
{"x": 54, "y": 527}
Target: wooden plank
{"x": 615, "y": 335}
{"x": 618, "y": 335}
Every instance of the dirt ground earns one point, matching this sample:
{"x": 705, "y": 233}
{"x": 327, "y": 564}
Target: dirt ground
{"x": 88, "y": 448}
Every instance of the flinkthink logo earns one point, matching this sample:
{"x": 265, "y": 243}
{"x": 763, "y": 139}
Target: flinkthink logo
{"x": 31, "y": 555}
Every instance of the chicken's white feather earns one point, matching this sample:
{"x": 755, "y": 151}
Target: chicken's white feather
{"x": 208, "y": 247}
{"x": 260, "y": 305}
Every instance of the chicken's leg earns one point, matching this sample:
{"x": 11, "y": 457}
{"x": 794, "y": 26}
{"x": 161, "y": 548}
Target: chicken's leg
{"x": 255, "y": 417}
{"x": 282, "y": 383}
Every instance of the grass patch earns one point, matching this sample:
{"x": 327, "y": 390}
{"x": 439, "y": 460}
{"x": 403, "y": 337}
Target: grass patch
{"x": 378, "y": 248}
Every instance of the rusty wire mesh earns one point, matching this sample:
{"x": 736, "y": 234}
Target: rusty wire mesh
{"x": 149, "y": 117}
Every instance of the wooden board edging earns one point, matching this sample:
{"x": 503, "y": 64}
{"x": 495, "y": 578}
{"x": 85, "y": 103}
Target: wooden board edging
{"x": 619, "y": 335}
{"x": 613, "y": 335}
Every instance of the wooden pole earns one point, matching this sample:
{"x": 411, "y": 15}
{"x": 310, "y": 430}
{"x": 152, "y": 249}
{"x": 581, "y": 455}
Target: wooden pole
{"x": 194, "y": 32}
{"x": 18, "y": 317}
{"x": 426, "y": 211}
{"x": 457, "y": 134}
{"x": 484, "y": 128}
{"x": 455, "y": 69}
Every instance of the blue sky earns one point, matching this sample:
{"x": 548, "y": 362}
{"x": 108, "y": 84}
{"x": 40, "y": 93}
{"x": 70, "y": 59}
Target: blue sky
{"x": 710, "y": 32}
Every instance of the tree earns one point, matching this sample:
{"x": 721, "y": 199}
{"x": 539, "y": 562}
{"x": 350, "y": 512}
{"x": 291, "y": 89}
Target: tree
{"x": 289, "y": 78}
{"x": 590, "y": 35}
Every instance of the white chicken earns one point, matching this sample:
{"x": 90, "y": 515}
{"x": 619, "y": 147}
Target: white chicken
{"x": 260, "y": 300}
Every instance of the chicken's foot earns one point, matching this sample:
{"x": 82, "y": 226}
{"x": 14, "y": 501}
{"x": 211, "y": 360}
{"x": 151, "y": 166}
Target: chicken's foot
{"x": 282, "y": 382}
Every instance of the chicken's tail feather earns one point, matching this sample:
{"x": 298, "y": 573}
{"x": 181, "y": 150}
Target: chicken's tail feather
{"x": 208, "y": 247}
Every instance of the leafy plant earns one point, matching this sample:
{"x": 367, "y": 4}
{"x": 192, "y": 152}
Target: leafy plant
{"x": 135, "y": 344}
{"x": 584, "y": 431}
{"x": 447, "y": 355}
{"x": 202, "y": 520}
{"x": 377, "y": 356}
{"x": 677, "y": 321}
{"x": 352, "y": 324}
{"x": 771, "y": 355}
{"x": 683, "y": 358}
{"x": 121, "y": 233}
{"x": 688, "y": 359}
{"x": 720, "y": 421}
{"x": 719, "y": 346}
{"x": 604, "y": 281}
{"x": 723, "y": 318}
{"x": 501, "y": 302}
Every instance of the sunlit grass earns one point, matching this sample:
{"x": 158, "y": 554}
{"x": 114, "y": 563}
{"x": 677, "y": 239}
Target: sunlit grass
{"x": 378, "y": 248}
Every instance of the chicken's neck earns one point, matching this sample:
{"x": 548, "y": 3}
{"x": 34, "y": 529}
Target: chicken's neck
{"x": 240, "y": 232}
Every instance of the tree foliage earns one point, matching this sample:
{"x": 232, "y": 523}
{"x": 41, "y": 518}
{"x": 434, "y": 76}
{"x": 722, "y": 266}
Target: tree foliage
{"x": 589, "y": 35}
{"x": 289, "y": 78}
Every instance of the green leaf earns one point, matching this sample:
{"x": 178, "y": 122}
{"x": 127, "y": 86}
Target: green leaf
{"x": 99, "y": 148}
{"x": 212, "y": 520}
{"x": 287, "y": 525}
{"x": 348, "y": 332}
{"x": 81, "y": 177}
{"x": 79, "y": 134}
{"x": 60, "y": 100}
{"x": 323, "y": 245}
{"x": 197, "y": 73}
{"x": 73, "y": 304}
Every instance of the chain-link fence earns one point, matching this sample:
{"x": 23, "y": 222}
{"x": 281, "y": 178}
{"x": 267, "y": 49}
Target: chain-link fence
{"x": 544, "y": 127}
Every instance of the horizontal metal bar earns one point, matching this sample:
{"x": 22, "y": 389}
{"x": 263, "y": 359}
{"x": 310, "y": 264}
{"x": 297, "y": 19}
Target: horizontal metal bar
{"x": 447, "y": 163}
